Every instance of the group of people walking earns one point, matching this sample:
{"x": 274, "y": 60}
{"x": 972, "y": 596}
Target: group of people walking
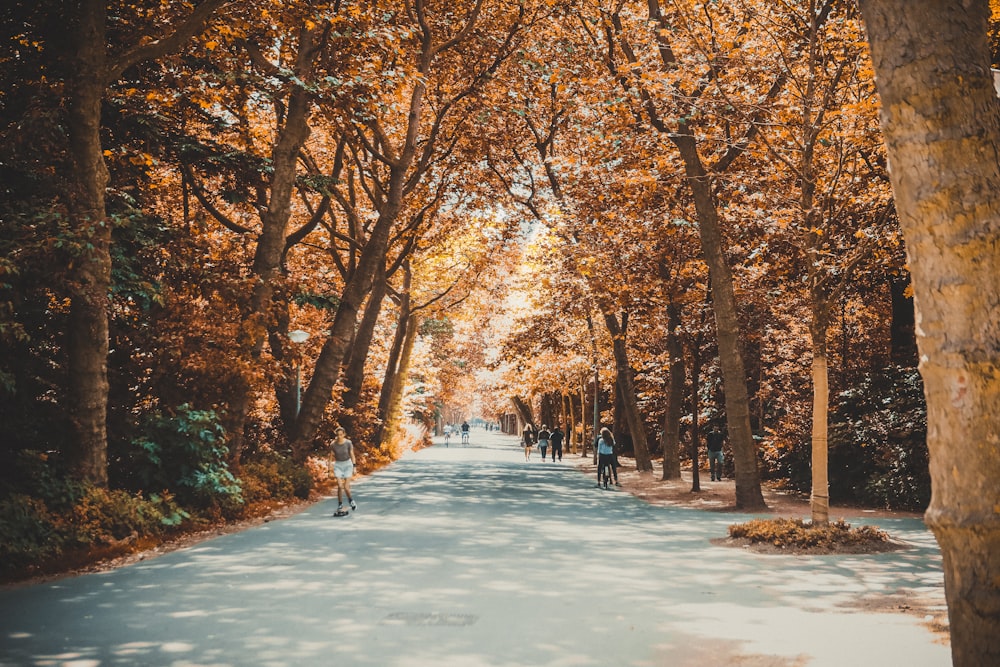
{"x": 607, "y": 456}
{"x": 545, "y": 439}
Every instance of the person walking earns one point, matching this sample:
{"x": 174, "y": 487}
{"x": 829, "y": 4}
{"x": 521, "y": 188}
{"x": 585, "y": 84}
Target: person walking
{"x": 715, "y": 456}
{"x": 555, "y": 441}
{"x": 543, "y": 440}
{"x": 527, "y": 440}
{"x": 343, "y": 467}
{"x": 465, "y": 432}
{"x": 605, "y": 456}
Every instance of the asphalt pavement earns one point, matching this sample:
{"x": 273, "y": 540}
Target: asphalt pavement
{"x": 468, "y": 556}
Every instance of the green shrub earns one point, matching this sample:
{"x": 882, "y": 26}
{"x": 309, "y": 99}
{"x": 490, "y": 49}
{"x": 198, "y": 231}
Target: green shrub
{"x": 185, "y": 452}
{"x": 877, "y": 445}
{"x": 28, "y": 533}
{"x": 103, "y": 516}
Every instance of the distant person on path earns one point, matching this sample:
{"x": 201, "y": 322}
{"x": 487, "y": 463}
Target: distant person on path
{"x": 605, "y": 456}
{"x": 543, "y": 440}
{"x": 465, "y": 432}
{"x": 715, "y": 456}
{"x": 527, "y": 440}
{"x": 556, "y": 440}
{"x": 343, "y": 467}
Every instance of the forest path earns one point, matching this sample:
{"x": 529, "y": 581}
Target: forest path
{"x": 471, "y": 557}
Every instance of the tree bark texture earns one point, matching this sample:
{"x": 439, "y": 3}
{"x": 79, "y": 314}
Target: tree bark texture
{"x": 695, "y": 412}
{"x": 675, "y": 398}
{"x": 523, "y": 409}
{"x": 941, "y": 119}
{"x": 90, "y": 275}
{"x": 748, "y": 491}
{"x": 354, "y": 369}
{"x": 820, "y": 498}
{"x": 391, "y": 421}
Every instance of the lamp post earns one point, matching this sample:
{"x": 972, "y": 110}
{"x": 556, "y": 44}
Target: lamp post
{"x": 298, "y": 336}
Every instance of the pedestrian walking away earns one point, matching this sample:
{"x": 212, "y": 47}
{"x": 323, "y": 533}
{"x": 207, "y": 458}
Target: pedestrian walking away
{"x": 605, "y": 456}
{"x": 543, "y": 440}
{"x": 527, "y": 440}
{"x": 465, "y": 432}
{"x": 555, "y": 442}
{"x": 343, "y": 468}
{"x": 715, "y": 456}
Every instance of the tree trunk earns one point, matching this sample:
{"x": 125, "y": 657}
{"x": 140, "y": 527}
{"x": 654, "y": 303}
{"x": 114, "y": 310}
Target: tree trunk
{"x": 523, "y": 409}
{"x": 391, "y": 419}
{"x": 258, "y": 317}
{"x": 90, "y": 274}
{"x": 675, "y": 398}
{"x": 626, "y": 392}
{"x": 902, "y": 328}
{"x": 941, "y": 119}
{"x": 354, "y": 371}
{"x": 820, "y": 498}
{"x": 695, "y": 412}
{"x": 748, "y": 491}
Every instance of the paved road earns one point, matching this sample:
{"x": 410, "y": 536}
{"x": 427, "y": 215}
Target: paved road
{"x": 470, "y": 557}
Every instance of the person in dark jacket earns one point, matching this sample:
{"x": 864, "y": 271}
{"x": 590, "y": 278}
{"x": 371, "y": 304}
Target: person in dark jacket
{"x": 715, "y": 456}
{"x": 555, "y": 441}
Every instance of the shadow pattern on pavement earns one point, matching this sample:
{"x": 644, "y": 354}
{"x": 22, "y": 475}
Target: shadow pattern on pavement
{"x": 470, "y": 556}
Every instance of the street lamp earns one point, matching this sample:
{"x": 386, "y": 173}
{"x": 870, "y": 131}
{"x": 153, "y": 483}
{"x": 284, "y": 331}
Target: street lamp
{"x": 298, "y": 336}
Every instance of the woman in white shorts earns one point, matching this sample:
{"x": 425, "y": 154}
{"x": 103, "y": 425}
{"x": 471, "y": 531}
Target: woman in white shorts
{"x": 343, "y": 467}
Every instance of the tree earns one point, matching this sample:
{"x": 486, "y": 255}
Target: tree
{"x": 941, "y": 119}
{"x": 821, "y": 125}
{"x": 91, "y": 66}
{"x": 400, "y": 139}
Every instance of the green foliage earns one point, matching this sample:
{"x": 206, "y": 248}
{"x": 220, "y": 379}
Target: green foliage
{"x": 877, "y": 444}
{"x": 797, "y": 534}
{"x": 103, "y": 516}
{"x": 77, "y": 517}
{"x": 28, "y": 533}
{"x": 185, "y": 452}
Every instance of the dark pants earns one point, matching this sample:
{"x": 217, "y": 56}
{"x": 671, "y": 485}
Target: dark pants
{"x": 605, "y": 464}
{"x": 557, "y": 449}
{"x": 715, "y": 460}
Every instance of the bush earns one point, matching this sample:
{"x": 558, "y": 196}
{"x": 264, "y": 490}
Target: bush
{"x": 33, "y": 533}
{"x": 274, "y": 477}
{"x": 185, "y": 452}
{"x": 28, "y": 533}
{"x": 104, "y": 516}
{"x": 797, "y": 534}
{"x": 877, "y": 445}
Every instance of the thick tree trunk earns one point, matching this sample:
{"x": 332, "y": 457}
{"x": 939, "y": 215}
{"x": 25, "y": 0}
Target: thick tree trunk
{"x": 523, "y": 409}
{"x": 266, "y": 267}
{"x": 748, "y": 491}
{"x": 675, "y": 398}
{"x": 941, "y": 119}
{"x": 626, "y": 393}
{"x": 354, "y": 371}
{"x": 329, "y": 364}
{"x": 90, "y": 274}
